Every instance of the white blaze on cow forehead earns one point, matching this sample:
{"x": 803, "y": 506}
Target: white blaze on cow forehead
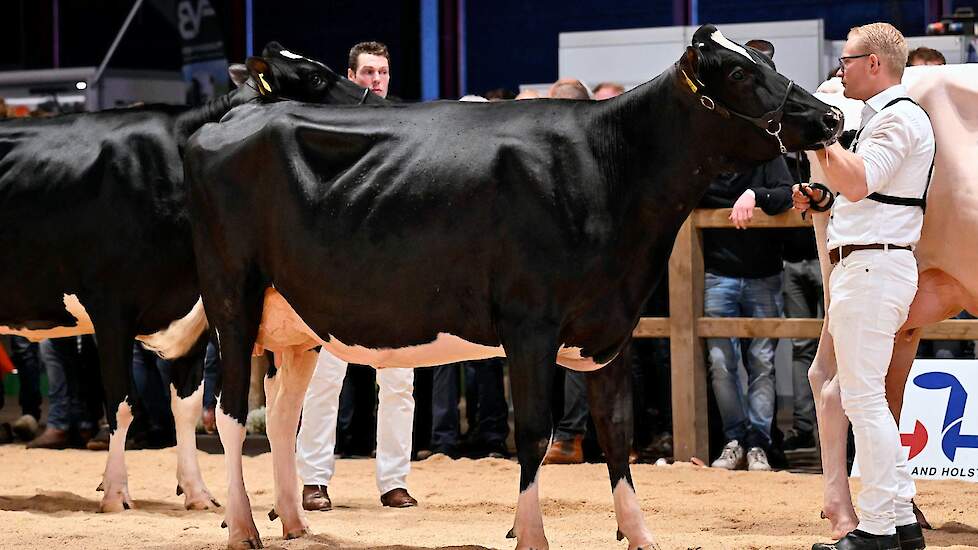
{"x": 290, "y": 55}
{"x": 721, "y": 40}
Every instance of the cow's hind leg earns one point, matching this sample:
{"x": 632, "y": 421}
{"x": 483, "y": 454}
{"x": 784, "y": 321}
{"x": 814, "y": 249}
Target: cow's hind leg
{"x": 833, "y": 429}
{"x": 235, "y": 312}
{"x": 285, "y": 389}
{"x": 609, "y": 391}
{"x": 531, "y": 352}
{"x": 115, "y": 341}
{"x": 186, "y": 400}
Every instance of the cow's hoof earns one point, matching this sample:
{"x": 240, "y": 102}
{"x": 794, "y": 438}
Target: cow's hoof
{"x": 298, "y": 533}
{"x": 200, "y": 501}
{"x": 117, "y": 502}
{"x": 248, "y": 544}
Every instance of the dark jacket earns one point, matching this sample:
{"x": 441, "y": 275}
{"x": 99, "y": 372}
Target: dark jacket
{"x": 751, "y": 253}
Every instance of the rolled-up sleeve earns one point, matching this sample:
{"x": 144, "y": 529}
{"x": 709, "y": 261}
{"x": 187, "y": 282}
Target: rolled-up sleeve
{"x": 884, "y": 150}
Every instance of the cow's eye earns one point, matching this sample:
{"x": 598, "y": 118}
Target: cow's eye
{"x": 738, "y": 74}
{"x": 316, "y": 80}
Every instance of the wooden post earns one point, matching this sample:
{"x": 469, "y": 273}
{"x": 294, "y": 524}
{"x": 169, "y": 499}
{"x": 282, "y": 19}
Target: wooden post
{"x": 689, "y": 411}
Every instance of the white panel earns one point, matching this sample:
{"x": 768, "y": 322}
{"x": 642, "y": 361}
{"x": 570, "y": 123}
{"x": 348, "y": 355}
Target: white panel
{"x": 633, "y": 56}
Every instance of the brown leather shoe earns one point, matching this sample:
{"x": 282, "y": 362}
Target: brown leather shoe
{"x": 398, "y": 498}
{"x": 209, "y": 420}
{"x": 566, "y": 451}
{"x": 315, "y": 498}
{"x": 51, "y": 438}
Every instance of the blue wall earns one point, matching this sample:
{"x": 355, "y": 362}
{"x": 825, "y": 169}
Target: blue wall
{"x": 510, "y": 42}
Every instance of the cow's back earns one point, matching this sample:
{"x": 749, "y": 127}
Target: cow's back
{"x": 86, "y": 201}
{"x": 435, "y": 208}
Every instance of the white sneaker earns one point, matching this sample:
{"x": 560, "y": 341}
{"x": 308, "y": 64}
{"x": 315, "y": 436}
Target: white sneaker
{"x": 757, "y": 460}
{"x": 732, "y": 457}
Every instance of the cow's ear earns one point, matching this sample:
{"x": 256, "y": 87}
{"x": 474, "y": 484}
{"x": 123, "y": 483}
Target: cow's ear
{"x": 261, "y": 72}
{"x": 692, "y": 57}
{"x": 271, "y": 49}
{"x": 239, "y": 74}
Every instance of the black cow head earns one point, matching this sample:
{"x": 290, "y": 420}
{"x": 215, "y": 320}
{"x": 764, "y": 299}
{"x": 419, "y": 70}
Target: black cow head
{"x": 281, "y": 74}
{"x": 770, "y": 114}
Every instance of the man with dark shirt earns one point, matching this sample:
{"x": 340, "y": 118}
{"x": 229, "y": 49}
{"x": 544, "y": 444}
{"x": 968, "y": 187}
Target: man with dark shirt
{"x": 743, "y": 279}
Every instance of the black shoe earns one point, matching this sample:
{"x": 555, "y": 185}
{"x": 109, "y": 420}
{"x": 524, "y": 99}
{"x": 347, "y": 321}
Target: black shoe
{"x": 911, "y": 537}
{"x": 798, "y": 442}
{"x": 861, "y": 540}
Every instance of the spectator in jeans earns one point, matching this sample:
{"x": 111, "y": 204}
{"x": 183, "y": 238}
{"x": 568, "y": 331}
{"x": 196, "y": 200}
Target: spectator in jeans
{"x": 74, "y": 396}
{"x": 743, "y": 279}
{"x": 486, "y": 410}
{"x": 568, "y": 444}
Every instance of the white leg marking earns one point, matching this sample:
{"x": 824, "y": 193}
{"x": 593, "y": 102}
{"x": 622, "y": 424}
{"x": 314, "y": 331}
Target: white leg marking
{"x": 242, "y": 532}
{"x": 189, "y": 480}
{"x": 115, "y": 481}
{"x": 631, "y": 521}
{"x": 528, "y": 526}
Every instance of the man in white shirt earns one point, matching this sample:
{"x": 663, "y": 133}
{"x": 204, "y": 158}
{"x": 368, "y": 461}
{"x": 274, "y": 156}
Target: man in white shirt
{"x": 369, "y": 67}
{"x": 876, "y": 221}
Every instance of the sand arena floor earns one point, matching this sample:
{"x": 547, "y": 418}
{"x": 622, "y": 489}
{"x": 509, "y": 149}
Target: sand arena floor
{"x": 48, "y": 500}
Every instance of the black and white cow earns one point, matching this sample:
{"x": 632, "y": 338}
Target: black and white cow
{"x": 96, "y": 239}
{"x": 417, "y": 235}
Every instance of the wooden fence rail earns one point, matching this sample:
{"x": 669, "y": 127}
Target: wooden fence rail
{"x": 686, "y": 326}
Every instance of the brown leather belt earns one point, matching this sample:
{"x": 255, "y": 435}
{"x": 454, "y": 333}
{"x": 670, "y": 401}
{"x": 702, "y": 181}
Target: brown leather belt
{"x": 836, "y": 255}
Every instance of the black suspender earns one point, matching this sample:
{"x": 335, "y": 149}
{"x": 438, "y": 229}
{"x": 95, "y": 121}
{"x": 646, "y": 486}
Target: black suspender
{"x": 903, "y": 201}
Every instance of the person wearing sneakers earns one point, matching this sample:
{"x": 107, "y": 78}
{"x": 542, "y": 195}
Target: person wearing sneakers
{"x": 877, "y": 212}
{"x": 743, "y": 279}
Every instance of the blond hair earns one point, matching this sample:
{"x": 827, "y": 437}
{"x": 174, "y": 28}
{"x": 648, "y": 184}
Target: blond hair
{"x": 884, "y": 40}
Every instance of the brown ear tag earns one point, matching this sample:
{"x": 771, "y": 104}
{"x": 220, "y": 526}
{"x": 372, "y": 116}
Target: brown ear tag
{"x": 263, "y": 86}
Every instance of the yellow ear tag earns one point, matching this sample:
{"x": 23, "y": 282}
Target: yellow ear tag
{"x": 689, "y": 82}
{"x": 263, "y": 86}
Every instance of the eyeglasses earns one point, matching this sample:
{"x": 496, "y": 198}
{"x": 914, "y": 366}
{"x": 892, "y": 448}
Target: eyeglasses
{"x": 843, "y": 59}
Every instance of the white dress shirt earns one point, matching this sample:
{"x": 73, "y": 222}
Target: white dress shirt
{"x": 897, "y": 148}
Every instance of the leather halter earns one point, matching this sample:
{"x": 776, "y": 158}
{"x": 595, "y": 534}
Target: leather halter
{"x": 770, "y": 121}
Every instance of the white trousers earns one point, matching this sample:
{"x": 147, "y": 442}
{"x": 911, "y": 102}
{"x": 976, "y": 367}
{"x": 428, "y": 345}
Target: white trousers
{"x": 871, "y": 292}
{"x": 395, "y": 424}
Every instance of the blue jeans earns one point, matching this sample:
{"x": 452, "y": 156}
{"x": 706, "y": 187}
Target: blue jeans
{"x": 212, "y": 376}
{"x": 748, "y": 422}
{"x": 488, "y": 421}
{"x": 25, "y": 356}
{"x": 72, "y": 402}
{"x": 576, "y": 410}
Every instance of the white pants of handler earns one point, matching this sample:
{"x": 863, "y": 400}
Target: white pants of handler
{"x": 395, "y": 424}
{"x": 871, "y": 292}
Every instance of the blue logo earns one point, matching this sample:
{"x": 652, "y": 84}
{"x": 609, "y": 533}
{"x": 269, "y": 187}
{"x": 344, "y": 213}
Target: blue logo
{"x": 953, "y": 438}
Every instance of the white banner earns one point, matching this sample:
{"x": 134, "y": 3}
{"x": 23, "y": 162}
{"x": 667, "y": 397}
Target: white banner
{"x": 939, "y": 422}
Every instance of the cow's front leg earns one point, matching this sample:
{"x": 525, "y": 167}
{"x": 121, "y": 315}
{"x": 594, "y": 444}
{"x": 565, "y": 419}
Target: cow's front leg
{"x": 190, "y": 483}
{"x": 531, "y": 352}
{"x": 285, "y": 389}
{"x": 833, "y": 430}
{"x": 609, "y": 392}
